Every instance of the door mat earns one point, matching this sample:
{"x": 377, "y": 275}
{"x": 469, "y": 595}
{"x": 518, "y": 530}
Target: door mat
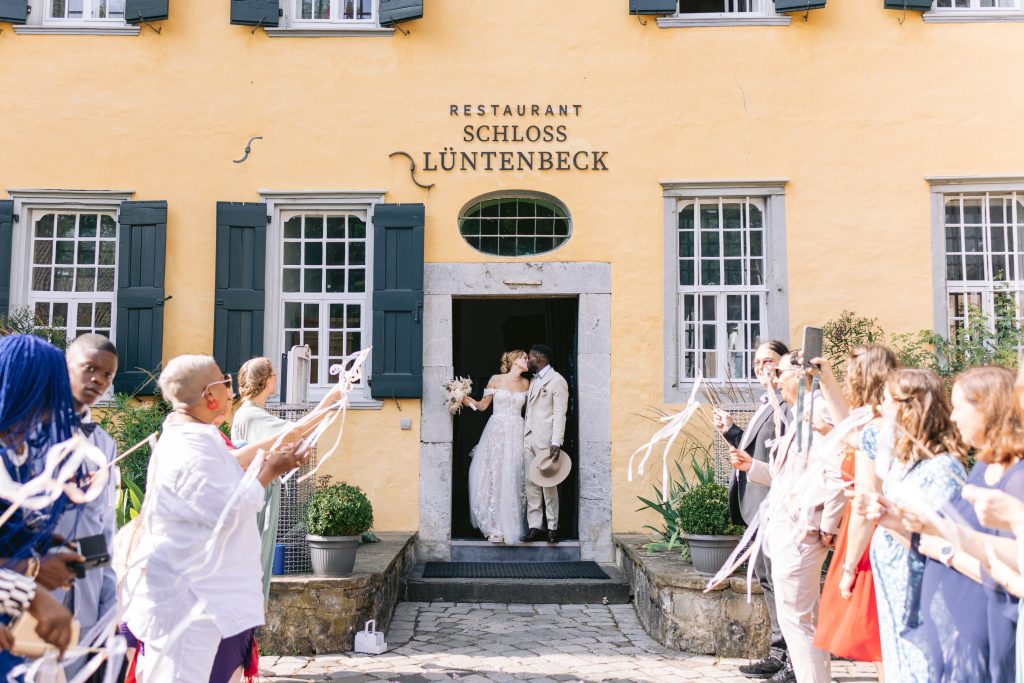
{"x": 513, "y": 570}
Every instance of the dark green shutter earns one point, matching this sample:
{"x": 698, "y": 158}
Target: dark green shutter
{"x": 136, "y": 11}
{"x": 397, "y": 301}
{"x": 913, "y": 5}
{"x": 141, "y": 245}
{"x": 6, "y": 234}
{"x": 653, "y": 6}
{"x": 14, "y": 11}
{"x": 255, "y": 12}
{"x": 798, "y": 5}
{"x": 396, "y": 11}
{"x": 240, "y": 296}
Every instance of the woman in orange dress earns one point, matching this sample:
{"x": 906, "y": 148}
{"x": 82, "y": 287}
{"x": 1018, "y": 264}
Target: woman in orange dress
{"x": 847, "y": 614}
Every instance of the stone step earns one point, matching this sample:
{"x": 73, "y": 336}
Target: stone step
{"x": 483, "y": 551}
{"x": 612, "y": 591}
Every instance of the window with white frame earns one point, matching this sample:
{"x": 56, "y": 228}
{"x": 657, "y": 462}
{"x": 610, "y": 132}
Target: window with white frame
{"x": 984, "y": 256}
{"x": 324, "y": 300}
{"x": 334, "y": 10}
{"x": 86, "y": 10}
{"x": 721, "y": 279}
{"x": 73, "y": 263}
{"x": 978, "y": 5}
{"x": 726, "y": 7}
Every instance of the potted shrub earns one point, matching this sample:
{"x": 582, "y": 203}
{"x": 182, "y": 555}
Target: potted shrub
{"x": 336, "y": 517}
{"x": 703, "y": 514}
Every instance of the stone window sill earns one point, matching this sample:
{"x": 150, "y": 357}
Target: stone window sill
{"x": 78, "y": 30}
{"x": 329, "y": 32}
{"x": 687, "y": 22}
{"x": 964, "y": 17}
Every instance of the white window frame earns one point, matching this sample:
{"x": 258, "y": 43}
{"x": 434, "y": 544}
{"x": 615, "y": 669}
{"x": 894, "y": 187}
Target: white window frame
{"x": 763, "y": 15}
{"x": 30, "y": 202}
{"x": 41, "y": 22}
{"x": 985, "y": 290}
{"x": 775, "y": 312}
{"x": 292, "y": 25}
{"x": 974, "y": 13}
{"x": 280, "y": 203}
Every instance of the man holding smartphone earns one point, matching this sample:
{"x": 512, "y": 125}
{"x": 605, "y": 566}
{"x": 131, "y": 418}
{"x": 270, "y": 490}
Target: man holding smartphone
{"x": 92, "y": 364}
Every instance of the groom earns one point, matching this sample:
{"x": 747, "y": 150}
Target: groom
{"x": 545, "y": 428}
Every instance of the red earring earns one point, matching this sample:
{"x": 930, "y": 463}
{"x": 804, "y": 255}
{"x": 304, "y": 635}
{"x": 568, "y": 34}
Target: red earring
{"x": 213, "y": 404}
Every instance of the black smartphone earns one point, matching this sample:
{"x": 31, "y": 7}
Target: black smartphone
{"x": 814, "y": 339}
{"x": 94, "y": 550}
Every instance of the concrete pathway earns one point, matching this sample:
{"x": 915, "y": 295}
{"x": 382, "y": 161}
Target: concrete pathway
{"x": 473, "y": 643}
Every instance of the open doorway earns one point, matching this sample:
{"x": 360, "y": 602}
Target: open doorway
{"x": 483, "y": 329}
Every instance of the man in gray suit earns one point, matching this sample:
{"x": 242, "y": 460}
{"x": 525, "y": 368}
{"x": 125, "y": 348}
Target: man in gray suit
{"x": 546, "y": 407}
{"x": 745, "y": 497}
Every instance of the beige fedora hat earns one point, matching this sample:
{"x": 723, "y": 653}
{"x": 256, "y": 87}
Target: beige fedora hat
{"x": 544, "y": 471}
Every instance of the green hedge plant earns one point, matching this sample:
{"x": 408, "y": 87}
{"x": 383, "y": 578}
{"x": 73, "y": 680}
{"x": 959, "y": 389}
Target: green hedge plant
{"x": 704, "y": 511}
{"x": 338, "y": 510}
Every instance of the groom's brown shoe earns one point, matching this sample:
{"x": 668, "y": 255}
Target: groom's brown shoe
{"x": 552, "y": 536}
{"x": 533, "y": 535}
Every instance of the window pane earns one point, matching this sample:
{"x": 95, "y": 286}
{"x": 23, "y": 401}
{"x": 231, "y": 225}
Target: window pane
{"x": 755, "y": 216}
{"x": 84, "y": 318}
{"x": 756, "y": 245}
{"x": 41, "y": 279}
{"x": 314, "y": 227}
{"x": 290, "y": 282}
{"x": 757, "y": 272}
{"x": 107, "y": 251}
{"x": 335, "y": 279}
{"x": 732, "y": 216}
{"x": 356, "y": 228}
{"x": 87, "y": 225}
{"x": 733, "y": 271}
{"x": 86, "y": 253}
{"x": 973, "y": 240}
{"x": 709, "y": 307}
{"x": 311, "y": 316}
{"x": 293, "y": 228}
{"x": 62, "y": 279}
{"x": 686, "y": 217}
{"x": 972, "y": 210}
{"x": 356, "y": 280}
{"x": 65, "y": 251}
{"x": 292, "y": 314}
{"x": 708, "y": 243}
{"x": 66, "y": 225}
{"x": 686, "y": 272}
{"x": 43, "y": 252}
{"x": 953, "y": 239}
{"x": 103, "y": 314}
{"x": 335, "y": 253}
{"x": 85, "y": 280}
{"x": 975, "y": 267}
{"x": 686, "y": 244}
{"x": 44, "y": 226}
{"x": 709, "y": 216}
{"x": 322, "y": 9}
{"x": 60, "y": 314}
{"x": 357, "y": 253}
{"x": 709, "y": 272}
{"x": 314, "y": 253}
{"x": 353, "y": 315}
{"x": 105, "y": 280}
{"x": 108, "y": 228}
{"x": 954, "y": 268}
{"x": 312, "y": 280}
{"x": 733, "y": 240}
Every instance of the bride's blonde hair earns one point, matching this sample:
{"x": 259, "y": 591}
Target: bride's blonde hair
{"x": 510, "y": 357}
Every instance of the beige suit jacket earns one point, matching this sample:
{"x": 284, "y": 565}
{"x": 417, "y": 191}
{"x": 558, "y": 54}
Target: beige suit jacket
{"x": 546, "y": 405}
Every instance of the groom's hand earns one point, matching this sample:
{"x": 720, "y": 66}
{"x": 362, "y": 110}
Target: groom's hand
{"x": 555, "y": 453}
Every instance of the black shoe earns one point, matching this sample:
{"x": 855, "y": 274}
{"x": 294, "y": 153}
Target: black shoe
{"x": 552, "y": 536}
{"x": 533, "y": 535}
{"x": 763, "y": 668}
{"x": 785, "y": 674}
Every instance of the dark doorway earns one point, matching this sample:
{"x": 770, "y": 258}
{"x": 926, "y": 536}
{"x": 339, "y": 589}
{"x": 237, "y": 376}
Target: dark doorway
{"x": 483, "y": 329}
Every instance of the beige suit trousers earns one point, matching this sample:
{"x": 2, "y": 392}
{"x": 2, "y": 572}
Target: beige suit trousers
{"x": 539, "y": 499}
{"x": 796, "y": 576}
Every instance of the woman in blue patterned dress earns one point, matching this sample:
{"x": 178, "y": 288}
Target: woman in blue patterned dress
{"x": 927, "y": 459}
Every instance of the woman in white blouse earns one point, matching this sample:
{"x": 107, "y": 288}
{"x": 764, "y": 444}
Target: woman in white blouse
{"x": 257, "y": 382}
{"x": 184, "y": 602}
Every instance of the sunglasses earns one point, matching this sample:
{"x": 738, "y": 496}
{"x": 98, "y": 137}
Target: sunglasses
{"x": 779, "y": 371}
{"x": 226, "y": 380}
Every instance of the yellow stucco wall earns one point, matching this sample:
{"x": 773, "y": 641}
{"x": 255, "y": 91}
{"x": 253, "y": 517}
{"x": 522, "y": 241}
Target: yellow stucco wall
{"x": 853, "y": 108}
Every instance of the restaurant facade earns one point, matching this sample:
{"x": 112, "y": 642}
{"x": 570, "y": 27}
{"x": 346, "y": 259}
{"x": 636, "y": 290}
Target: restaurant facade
{"x": 648, "y": 187}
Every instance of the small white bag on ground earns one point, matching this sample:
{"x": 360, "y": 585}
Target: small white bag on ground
{"x": 370, "y": 641}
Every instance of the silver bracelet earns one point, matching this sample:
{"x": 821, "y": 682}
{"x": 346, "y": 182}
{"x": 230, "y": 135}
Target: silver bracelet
{"x": 16, "y": 593}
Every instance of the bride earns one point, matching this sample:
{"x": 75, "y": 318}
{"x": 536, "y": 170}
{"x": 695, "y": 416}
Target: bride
{"x": 496, "y": 474}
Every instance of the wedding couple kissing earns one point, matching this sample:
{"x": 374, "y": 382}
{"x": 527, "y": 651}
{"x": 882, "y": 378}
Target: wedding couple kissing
{"x": 520, "y": 459}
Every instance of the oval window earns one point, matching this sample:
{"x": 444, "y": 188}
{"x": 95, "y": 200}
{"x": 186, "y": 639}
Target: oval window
{"x": 515, "y": 225}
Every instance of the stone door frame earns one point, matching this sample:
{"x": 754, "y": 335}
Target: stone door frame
{"x": 592, "y": 283}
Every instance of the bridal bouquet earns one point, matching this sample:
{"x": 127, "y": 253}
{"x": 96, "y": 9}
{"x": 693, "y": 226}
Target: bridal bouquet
{"x": 456, "y": 390}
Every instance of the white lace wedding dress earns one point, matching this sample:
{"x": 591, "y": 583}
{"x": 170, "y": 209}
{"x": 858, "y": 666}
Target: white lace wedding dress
{"x": 497, "y": 491}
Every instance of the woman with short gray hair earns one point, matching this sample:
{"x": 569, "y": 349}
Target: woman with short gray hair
{"x": 194, "y": 482}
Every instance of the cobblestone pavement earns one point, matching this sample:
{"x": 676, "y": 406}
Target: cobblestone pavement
{"x": 473, "y": 643}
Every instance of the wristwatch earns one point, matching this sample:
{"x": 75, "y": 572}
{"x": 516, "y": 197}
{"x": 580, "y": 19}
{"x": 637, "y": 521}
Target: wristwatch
{"x": 945, "y": 555}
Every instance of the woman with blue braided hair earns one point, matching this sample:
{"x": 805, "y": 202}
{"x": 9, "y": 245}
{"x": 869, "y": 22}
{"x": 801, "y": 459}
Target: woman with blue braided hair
{"x": 37, "y": 411}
